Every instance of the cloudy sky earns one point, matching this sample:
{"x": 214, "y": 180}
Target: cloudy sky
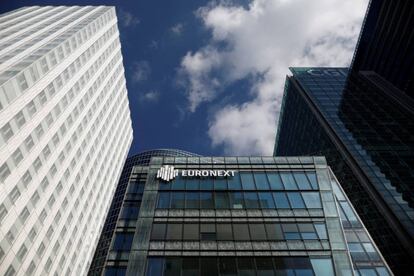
{"x": 208, "y": 76}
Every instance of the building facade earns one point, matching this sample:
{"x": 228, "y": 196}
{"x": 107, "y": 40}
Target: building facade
{"x": 239, "y": 216}
{"x": 65, "y": 132}
{"x": 140, "y": 159}
{"x": 367, "y": 139}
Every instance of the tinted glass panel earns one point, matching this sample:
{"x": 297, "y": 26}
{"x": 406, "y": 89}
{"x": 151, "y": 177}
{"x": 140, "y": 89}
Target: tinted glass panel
{"x": 312, "y": 199}
{"x": 191, "y": 232}
{"x": 257, "y": 231}
{"x": 234, "y": 182}
{"x": 247, "y": 181}
{"x": 281, "y": 200}
{"x": 222, "y": 201}
{"x": 274, "y": 231}
{"x": 261, "y": 181}
{"x": 177, "y": 200}
{"x": 251, "y": 200}
{"x": 264, "y": 267}
{"x": 266, "y": 200}
{"x": 207, "y": 201}
{"x": 275, "y": 181}
{"x": 164, "y": 200}
{"x": 209, "y": 266}
{"x": 190, "y": 267}
{"x": 123, "y": 241}
{"x": 155, "y": 266}
{"x": 227, "y": 266}
{"x": 178, "y": 183}
{"x": 295, "y": 200}
{"x": 312, "y": 179}
{"x": 236, "y": 200}
{"x": 241, "y": 232}
{"x": 192, "y": 184}
{"x": 173, "y": 267}
{"x": 288, "y": 181}
{"x": 192, "y": 200}
{"x": 220, "y": 184}
{"x": 246, "y": 266}
{"x": 158, "y": 231}
{"x": 302, "y": 181}
{"x": 174, "y": 231}
{"x": 224, "y": 232}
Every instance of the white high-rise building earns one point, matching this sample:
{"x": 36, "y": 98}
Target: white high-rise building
{"x": 65, "y": 132}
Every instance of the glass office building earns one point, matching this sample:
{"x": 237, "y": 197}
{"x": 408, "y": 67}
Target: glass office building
{"x": 239, "y": 216}
{"x": 140, "y": 159}
{"x": 65, "y": 132}
{"x": 367, "y": 139}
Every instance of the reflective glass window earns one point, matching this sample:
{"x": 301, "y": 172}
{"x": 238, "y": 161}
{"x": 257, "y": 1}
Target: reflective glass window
{"x": 266, "y": 200}
{"x": 227, "y": 266}
{"x": 163, "y": 200}
{"x": 192, "y": 184}
{"x": 192, "y": 200}
{"x": 236, "y": 200}
{"x": 191, "y": 231}
{"x": 172, "y": 266}
{"x": 257, "y": 231}
{"x": 221, "y": 201}
{"x": 251, "y": 200}
{"x": 275, "y": 181}
{"x": 264, "y": 266}
{"x": 209, "y": 266}
{"x": 174, "y": 231}
{"x": 190, "y": 267}
{"x": 295, "y": 200}
{"x": 281, "y": 200}
{"x": 241, "y": 232}
{"x": 274, "y": 231}
{"x": 178, "y": 183}
{"x": 177, "y": 200}
{"x": 246, "y": 266}
{"x": 261, "y": 180}
{"x": 312, "y": 199}
{"x": 207, "y": 184}
{"x": 158, "y": 231}
{"x": 247, "y": 181}
{"x": 288, "y": 181}
{"x": 155, "y": 266}
{"x": 234, "y": 182}
{"x": 206, "y": 200}
{"x": 322, "y": 267}
{"x": 220, "y": 184}
{"x": 224, "y": 232}
{"x": 123, "y": 241}
{"x": 312, "y": 179}
{"x": 302, "y": 181}
{"x": 321, "y": 230}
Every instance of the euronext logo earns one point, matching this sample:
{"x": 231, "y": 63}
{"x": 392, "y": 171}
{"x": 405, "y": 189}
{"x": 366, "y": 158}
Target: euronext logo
{"x": 168, "y": 172}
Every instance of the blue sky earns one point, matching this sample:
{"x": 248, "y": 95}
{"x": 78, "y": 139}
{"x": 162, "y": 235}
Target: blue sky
{"x": 208, "y": 77}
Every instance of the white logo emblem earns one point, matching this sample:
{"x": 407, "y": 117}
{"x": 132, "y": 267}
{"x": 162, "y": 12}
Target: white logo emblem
{"x": 167, "y": 173}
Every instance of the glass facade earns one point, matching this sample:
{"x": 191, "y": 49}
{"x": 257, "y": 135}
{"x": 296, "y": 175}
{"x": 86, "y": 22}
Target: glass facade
{"x": 65, "y": 131}
{"x": 131, "y": 207}
{"x": 365, "y": 137}
{"x": 275, "y": 216}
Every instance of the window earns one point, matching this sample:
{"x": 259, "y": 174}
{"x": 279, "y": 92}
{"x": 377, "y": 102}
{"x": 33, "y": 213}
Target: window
{"x": 241, "y": 232}
{"x": 234, "y": 182}
{"x": 275, "y": 181}
{"x": 261, "y": 181}
{"x": 7, "y": 132}
{"x": 123, "y": 241}
{"x": 281, "y": 200}
{"x": 14, "y": 194}
{"x": 302, "y": 180}
{"x": 274, "y": 231}
{"x": 19, "y": 119}
{"x": 313, "y": 181}
{"x": 265, "y": 267}
{"x": 322, "y": 267}
{"x": 246, "y": 266}
{"x": 177, "y": 200}
{"x": 31, "y": 108}
{"x": 247, "y": 181}
{"x": 236, "y": 200}
{"x": 163, "y": 200}
{"x": 208, "y": 232}
{"x": 158, "y": 231}
{"x": 208, "y": 266}
{"x": 155, "y": 267}
{"x": 296, "y": 200}
{"x": 174, "y": 232}
{"x": 227, "y": 266}
{"x": 266, "y": 200}
{"x": 222, "y": 201}
{"x": 190, "y": 267}
{"x": 224, "y": 232}
{"x": 192, "y": 200}
{"x": 312, "y": 200}
{"x": 21, "y": 80}
{"x": 251, "y": 200}
{"x": 206, "y": 199}
{"x": 257, "y": 232}
{"x": 288, "y": 181}
{"x": 29, "y": 143}
{"x": 191, "y": 232}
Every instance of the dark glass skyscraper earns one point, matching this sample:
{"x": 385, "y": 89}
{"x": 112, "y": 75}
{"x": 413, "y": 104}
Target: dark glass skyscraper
{"x": 142, "y": 159}
{"x": 362, "y": 121}
{"x": 239, "y": 216}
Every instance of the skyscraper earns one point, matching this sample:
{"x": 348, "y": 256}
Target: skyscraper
{"x": 65, "y": 132}
{"x": 362, "y": 121}
{"x": 140, "y": 159}
{"x": 323, "y": 113}
{"x": 239, "y": 216}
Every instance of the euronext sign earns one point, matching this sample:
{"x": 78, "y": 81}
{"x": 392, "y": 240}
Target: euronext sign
{"x": 168, "y": 173}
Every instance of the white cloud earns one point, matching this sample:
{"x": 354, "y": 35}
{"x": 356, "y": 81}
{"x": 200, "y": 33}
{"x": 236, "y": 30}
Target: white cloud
{"x": 127, "y": 19}
{"x": 140, "y": 71}
{"x": 261, "y": 42}
{"x": 151, "y": 96}
{"x": 177, "y": 29}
